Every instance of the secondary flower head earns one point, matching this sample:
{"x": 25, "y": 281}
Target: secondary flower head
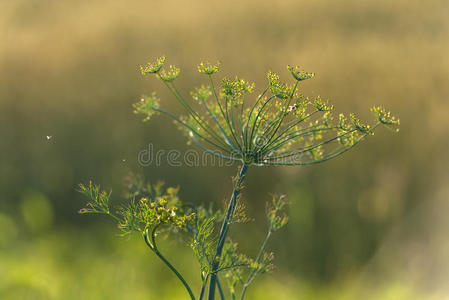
{"x": 277, "y": 88}
{"x": 147, "y": 105}
{"x": 299, "y": 74}
{"x": 360, "y": 126}
{"x": 170, "y": 75}
{"x": 385, "y": 117}
{"x": 156, "y": 68}
{"x": 276, "y": 216}
{"x": 322, "y": 105}
{"x": 202, "y": 93}
{"x": 235, "y": 90}
{"x": 153, "y": 67}
{"x": 208, "y": 68}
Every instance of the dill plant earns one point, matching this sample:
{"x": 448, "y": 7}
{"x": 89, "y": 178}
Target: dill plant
{"x": 281, "y": 127}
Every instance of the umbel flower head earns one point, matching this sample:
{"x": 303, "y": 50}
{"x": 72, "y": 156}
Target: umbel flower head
{"x": 280, "y": 126}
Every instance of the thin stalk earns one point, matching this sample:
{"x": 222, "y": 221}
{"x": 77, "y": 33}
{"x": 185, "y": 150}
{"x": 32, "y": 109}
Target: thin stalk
{"x": 268, "y": 127}
{"x": 271, "y": 126}
{"x": 284, "y": 112}
{"x": 215, "y": 153}
{"x": 297, "y": 134}
{"x": 305, "y": 149}
{"x": 256, "y": 119}
{"x": 153, "y": 247}
{"x": 203, "y": 287}
{"x": 225, "y": 227}
{"x": 191, "y": 129}
{"x": 236, "y": 131}
{"x": 220, "y": 290}
{"x": 240, "y": 119}
{"x": 192, "y": 112}
{"x": 294, "y": 123}
{"x": 214, "y": 117}
{"x": 250, "y": 114}
{"x": 274, "y": 160}
{"x": 230, "y": 121}
{"x": 330, "y": 156}
{"x": 216, "y": 96}
{"x": 259, "y": 255}
{"x": 224, "y": 114}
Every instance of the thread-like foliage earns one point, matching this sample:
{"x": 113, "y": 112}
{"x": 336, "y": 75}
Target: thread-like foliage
{"x": 153, "y": 210}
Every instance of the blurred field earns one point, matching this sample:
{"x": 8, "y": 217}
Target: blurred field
{"x": 369, "y": 225}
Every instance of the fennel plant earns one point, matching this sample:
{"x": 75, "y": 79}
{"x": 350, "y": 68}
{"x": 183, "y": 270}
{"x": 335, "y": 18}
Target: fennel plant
{"x": 281, "y": 127}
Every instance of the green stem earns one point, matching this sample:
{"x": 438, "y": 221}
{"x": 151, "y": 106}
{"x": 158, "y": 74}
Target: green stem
{"x": 257, "y": 124}
{"x": 223, "y": 112}
{"x": 234, "y": 128}
{"x": 259, "y": 255}
{"x": 203, "y": 288}
{"x": 214, "y": 117}
{"x": 192, "y": 129}
{"x": 245, "y": 133}
{"x": 153, "y": 247}
{"x": 193, "y": 113}
{"x": 299, "y": 134}
{"x": 305, "y": 149}
{"x": 288, "y": 127}
{"x": 220, "y": 290}
{"x": 224, "y": 229}
{"x": 328, "y": 157}
{"x": 229, "y": 122}
{"x": 284, "y": 112}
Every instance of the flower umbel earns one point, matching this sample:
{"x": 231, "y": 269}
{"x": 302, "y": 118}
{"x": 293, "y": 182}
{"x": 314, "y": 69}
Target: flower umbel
{"x": 170, "y": 75}
{"x": 385, "y": 117}
{"x": 147, "y": 105}
{"x": 208, "y": 68}
{"x": 277, "y": 88}
{"x": 153, "y": 67}
{"x": 279, "y": 127}
{"x": 299, "y": 74}
{"x": 202, "y": 93}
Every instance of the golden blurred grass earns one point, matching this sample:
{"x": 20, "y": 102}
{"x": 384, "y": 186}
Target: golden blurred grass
{"x": 69, "y": 69}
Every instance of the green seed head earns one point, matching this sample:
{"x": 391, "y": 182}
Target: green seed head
{"x": 322, "y": 105}
{"x": 202, "y": 93}
{"x": 153, "y": 67}
{"x": 385, "y": 117}
{"x": 170, "y": 75}
{"x": 299, "y": 74}
{"x": 277, "y": 88}
{"x": 360, "y": 126}
{"x": 208, "y": 68}
{"x": 147, "y": 106}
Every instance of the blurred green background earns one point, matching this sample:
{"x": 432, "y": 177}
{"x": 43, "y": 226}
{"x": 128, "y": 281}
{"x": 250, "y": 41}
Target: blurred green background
{"x": 371, "y": 224}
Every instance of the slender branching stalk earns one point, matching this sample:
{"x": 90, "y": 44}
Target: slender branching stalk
{"x": 225, "y": 226}
{"x": 153, "y": 246}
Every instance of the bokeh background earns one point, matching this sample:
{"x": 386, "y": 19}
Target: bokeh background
{"x": 371, "y": 224}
